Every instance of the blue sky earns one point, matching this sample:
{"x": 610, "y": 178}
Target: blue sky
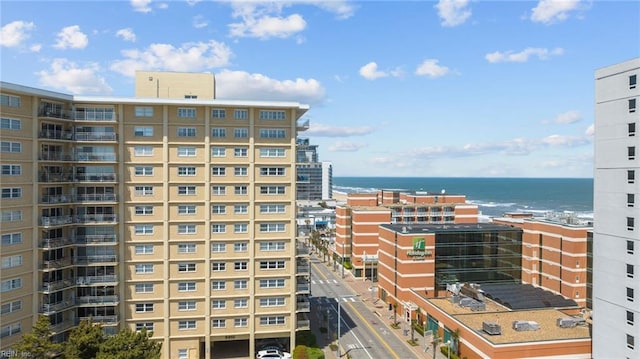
{"x": 418, "y": 88}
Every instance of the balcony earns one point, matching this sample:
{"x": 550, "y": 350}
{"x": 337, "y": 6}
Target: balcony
{"x": 302, "y": 251}
{"x": 86, "y": 260}
{"x": 96, "y": 218}
{"x": 98, "y": 299}
{"x": 104, "y": 197}
{"x": 53, "y": 243}
{"x": 56, "y": 135}
{"x": 95, "y": 238}
{"x": 56, "y": 264}
{"x": 62, "y": 326}
{"x": 55, "y": 156}
{"x": 44, "y": 176}
{"x": 303, "y": 287}
{"x": 52, "y": 308}
{"x": 102, "y": 279}
{"x": 57, "y": 285}
{"x": 91, "y": 115}
{"x": 52, "y": 112}
{"x": 105, "y": 177}
{"x": 303, "y": 322}
{"x": 303, "y": 306}
{"x": 96, "y": 157}
{"x": 102, "y": 319}
{"x": 95, "y": 136}
{"x": 55, "y": 221}
{"x": 47, "y": 199}
{"x": 303, "y": 268}
{"x": 302, "y": 125}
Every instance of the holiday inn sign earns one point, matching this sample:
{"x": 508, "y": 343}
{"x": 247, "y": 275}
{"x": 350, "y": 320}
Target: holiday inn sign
{"x": 418, "y": 250}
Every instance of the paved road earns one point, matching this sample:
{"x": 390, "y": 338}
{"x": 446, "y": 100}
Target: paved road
{"x": 365, "y": 329}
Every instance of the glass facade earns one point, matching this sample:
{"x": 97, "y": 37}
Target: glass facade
{"x": 483, "y": 256}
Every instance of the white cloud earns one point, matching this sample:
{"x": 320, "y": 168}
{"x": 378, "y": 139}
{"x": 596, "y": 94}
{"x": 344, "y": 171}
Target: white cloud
{"x": 590, "y": 131}
{"x": 553, "y": 11}
{"x": 567, "y": 118}
{"x": 141, "y": 5}
{"x": 337, "y": 131}
{"x": 69, "y": 76}
{"x": 193, "y": 2}
{"x": 163, "y": 5}
{"x": 268, "y": 26}
{"x": 346, "y": 146}
{"x": 565, "y": 141}
{"x": 15, "y": 33}
{"x": 199, "y": 22}
{"x": 341, "y": 8}
{"x": 240, "y": 85}
{"x": 453, "y": 12}
{"x": 35, "y": 47}
{"x": 126, "y": 34}
{"x": 71, "y": 37}
{"x": 430, "y": 68}
{"x": 524, "y": 55}
{"x": 190, "y": 57}
{"x": 370, "y": 71}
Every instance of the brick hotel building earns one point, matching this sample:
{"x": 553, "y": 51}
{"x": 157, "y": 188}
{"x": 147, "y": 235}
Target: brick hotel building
{"x": 171, "y": 210}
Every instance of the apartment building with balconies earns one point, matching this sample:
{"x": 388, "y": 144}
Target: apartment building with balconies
{"x": 173, "y": 214}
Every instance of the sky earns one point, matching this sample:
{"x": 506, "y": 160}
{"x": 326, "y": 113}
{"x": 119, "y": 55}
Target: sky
{"x": 453, "y": 88}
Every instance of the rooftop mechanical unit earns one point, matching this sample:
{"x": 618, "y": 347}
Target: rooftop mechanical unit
{"x": 491, "y": 328}
{"x": 524, "y": 325}
{"x": 570, "y": 322}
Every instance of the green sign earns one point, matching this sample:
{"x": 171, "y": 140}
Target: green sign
{"x": 418, "y": 250}
{"x": 418, "y": 244}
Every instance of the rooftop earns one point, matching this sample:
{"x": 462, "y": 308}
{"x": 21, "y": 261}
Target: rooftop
{"x": 447, "y": 228}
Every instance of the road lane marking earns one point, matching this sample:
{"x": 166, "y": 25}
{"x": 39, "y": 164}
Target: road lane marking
{"x": 382, "y": 341}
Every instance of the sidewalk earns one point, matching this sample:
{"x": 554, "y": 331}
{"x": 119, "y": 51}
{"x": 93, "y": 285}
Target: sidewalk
{"x": 362, "y": 289}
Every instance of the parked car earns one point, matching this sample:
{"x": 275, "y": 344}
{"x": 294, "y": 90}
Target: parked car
{"x": 273, "y": 354}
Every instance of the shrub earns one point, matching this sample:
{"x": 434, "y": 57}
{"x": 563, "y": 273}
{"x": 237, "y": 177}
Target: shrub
{"x": 333, "y": 347}
{"x": 300, "y": 352}
{"x": 419, "y": 328}
{"x": 444, "y": 350}
{"x": 306, "y": 338}
{"x": 315, "y": 353}
{"x": 347, "y": 265}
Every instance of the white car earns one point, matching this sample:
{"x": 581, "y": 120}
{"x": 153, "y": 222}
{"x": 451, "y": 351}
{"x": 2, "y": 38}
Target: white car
{"x": 273, "y": 354}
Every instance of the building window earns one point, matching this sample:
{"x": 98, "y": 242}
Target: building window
{"x": 240, "y": 266}
{"x": 272, "y": 115}
{"x": 144, "y": 111}
{"x": 240, "y": 132}
{"x": 273, "y": 133}
{"x": 190, "y": 97}
{"x": 143, "y": 190}
{"x": 186, "y": 132}
{"x": 10, "y": 124}
{"x": 241, "y": 114}
{"x": 8, "y": 100}
{"x": 279, "y": 264}
{"x": 11, "y": 238}
{"x": 241, "y": 303}
{"x": 240, "y": 152}
{"x": 144, "y": 325}
{"x": 218, "y": 266}
{"x": 184, "y": 151}
{"x": 240, "y": 322}
{"x": 186, "y": 286}
{"x": 240, "y": 284}
{"x": 183, "y": 353}
{"x": 272, "y": 302}
{"x": 143, "y": 151}
{"x": 11, "y": 261}
{"x": 272, "y": 320}
{"x": 272, "y": 190}
{"x": 629, "y": 270}
{"x": 241, "y": 171}
{"x": 240, "y": 247}
{"x": 218, "y": 190}
{"x": 186, "y": 171}
{"x": 186, "y": 267}
{"x": 272, "y": 152}
{"x": 218, "y": 323}
{"x": 218, "y": 171}
{"x": 10, "y": 284}
{"x": 218, "y": 113}
{"x": 630, "y": 245}
{"x": 11, "y": 170}
{"x": 218, "y": 132}
{"x": 633, "y": 81}
{"x": 272, "y": 246}
{"x": 143, "y": 229}
{"x": 218, "y": 228}
{"x": 218, "y": 209}
{"x": 272, "y": 227}
{"x": 631, "y": 176}
{"x": 271, "y": 283}
{"x": 145, "y": 268}
{"x": 144, "y": 248}
{"x": 11, "y": 216}
{"x": 240, "y": 209}
{"x": 629, "y": 294}
{"x": 186, "y": 190}
{"x": 630, "y": 316}
{"x": 144, "y": 210}
{"x": 143, "y": 131}
{"x": 144, "y": 287}
{"x": 144, "y": 307}
{"x": 218, "y": 247}
{"x": 11, "y": 307}
{"x": 143, "y": 171}
{"x": 630, "y": 223}
{"x": 240, "y": 190}
{"x": 13, "y": 192}
{"x": 10, "y": 147}
{"x": 186, "y": 248}
{"x": 632, "y": 105}
{"x": 631, "y": 199}
{"x": 186, "y": 209}
{"x": 11, "y": 329}
{"x": 187, "y": 305}
{"x": 218, "y": 304}
{"x": 187, "y": 325}
{"x": 272, "y": 208}
{"x": 631, "y": 129}
{"x": 186, "y": 229}
{"x": 631, "y": 152}
{"x": 218, "y": 152}
{"x": 186, "y": 112}
{"x": 240, "y": 228}
{"x": 218, "y": 285}
{"x": 272, "y": 171}
{"x": 630, "y": 341}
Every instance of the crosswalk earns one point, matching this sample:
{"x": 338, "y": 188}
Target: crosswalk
{"x": 325, "y": 300}
{"x": 328, "y": 281}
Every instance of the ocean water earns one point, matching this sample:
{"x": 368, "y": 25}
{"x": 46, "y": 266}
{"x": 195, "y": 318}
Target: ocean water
{"x": 494, "y": 196}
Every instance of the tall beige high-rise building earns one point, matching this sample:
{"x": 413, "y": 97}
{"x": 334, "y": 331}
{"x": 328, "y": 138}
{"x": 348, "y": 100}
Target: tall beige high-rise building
{"x": 175, "y": 214}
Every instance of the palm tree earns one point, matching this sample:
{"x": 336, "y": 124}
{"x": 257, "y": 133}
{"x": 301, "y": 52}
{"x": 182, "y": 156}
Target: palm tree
{"x": 455, "y": 339}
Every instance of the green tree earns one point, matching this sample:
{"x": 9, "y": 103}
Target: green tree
{"x": 300, "y": 352}
{"x": 128, "y": 344}
{"x": 37, "y": 344}
{"x": 84, "y": 341}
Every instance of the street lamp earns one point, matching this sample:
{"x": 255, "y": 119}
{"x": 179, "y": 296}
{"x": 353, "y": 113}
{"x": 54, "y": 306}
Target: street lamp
{"x": 448, "y": 349}
{"x": 364, "y": 265}
{"x": 339, "y": 311}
